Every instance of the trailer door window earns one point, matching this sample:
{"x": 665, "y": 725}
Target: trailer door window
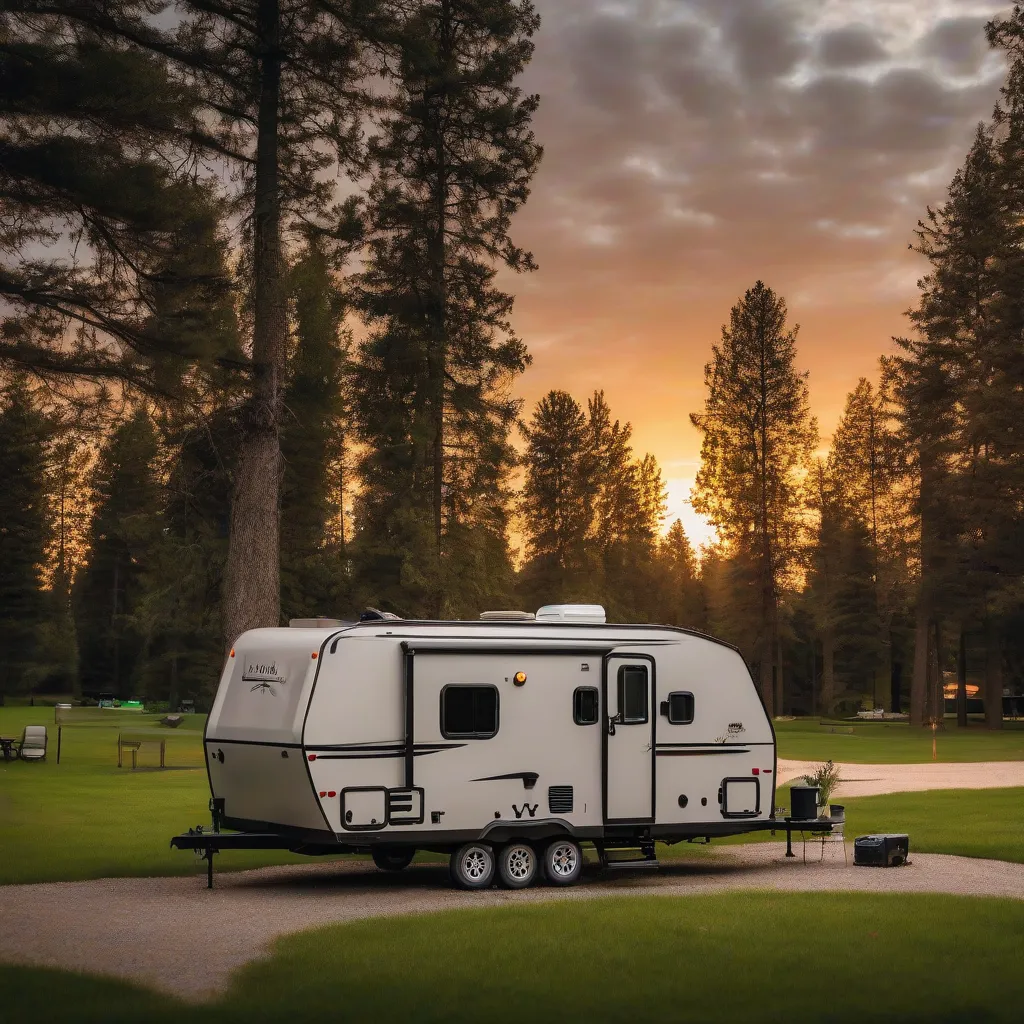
{"x": 584, "y": 705}
{"x": 469, "y": 712}
{"x": 679, "y": 708}
{"x": 633, "y": 690}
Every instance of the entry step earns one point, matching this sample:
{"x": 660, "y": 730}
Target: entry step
{"x": 640, "y": 864}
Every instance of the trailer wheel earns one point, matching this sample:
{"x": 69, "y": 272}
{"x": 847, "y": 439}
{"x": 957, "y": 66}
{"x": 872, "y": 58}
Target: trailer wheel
{"x": 563, "y": 862}
{"x": 472, "y": 866}
{"x": 517, "y": 865}
{"x": 392, "y": 858}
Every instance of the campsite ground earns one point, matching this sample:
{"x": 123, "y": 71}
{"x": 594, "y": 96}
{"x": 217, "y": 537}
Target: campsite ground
{"x": 88, "y": 819}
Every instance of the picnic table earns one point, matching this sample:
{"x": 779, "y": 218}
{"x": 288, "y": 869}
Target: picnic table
{"x": 7, "y": 747}
{"x": 133, "y": 741}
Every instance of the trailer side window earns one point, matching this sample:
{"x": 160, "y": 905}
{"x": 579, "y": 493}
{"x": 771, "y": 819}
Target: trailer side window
{"x": 584, "y": 705}
{"x": 469, "y": 712}
{"x": 678, "y": 708}
{"x": 633, "y": 690}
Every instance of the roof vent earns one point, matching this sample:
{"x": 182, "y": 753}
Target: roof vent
{"x": 317, "y": 623}
{"x": 375, "y": 615}
{"x": 571, "y": 613}
{"x": 507, "y": 615}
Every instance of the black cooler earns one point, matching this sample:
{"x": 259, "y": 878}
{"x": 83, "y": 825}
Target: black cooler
{"x": 888, "y": 850}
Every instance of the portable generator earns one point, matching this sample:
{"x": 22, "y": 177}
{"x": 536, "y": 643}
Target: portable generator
{"x": 888, "y": 850}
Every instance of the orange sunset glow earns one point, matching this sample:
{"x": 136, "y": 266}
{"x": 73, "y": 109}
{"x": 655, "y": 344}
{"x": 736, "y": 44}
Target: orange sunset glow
{"x": 694, "y": 146}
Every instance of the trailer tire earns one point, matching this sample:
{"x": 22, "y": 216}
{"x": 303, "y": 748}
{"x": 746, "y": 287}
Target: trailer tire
{"x": 390, "y": 858}
{"x": 517, "y": 865}
{"x": 563, "y": 862}
{"x": 472, "y": 866}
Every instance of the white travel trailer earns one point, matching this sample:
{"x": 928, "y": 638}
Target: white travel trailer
{"x": 505, "y": 742}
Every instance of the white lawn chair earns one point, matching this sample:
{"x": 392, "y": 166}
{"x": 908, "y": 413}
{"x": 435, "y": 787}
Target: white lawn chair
{"x": 33, "y": 743}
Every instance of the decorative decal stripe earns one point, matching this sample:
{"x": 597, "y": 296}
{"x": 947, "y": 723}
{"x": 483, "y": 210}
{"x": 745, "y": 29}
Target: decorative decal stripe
{"x": 366, "y": 754}
{"x": 699, "y": 753}
{"x": 373, "y": 748}
{"x": 736, "y": 743}
{"x": 529, "y": 777}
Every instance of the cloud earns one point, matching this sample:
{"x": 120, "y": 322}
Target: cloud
{"x": 851, "y": 47}
{"x": 693, "y": 146}
{"x": 958, "y": 44}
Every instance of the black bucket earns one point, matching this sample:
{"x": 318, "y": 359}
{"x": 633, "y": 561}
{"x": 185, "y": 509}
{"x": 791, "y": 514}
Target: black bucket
{"x": 805, "y": 802}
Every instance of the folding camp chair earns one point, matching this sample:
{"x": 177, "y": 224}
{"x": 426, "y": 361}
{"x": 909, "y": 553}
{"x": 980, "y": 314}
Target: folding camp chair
{"x": 837, "y": 819}
{"x": 33, "y": 743}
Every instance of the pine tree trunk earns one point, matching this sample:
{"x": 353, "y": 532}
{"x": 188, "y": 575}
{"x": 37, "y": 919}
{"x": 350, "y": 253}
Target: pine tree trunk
{"x": 251, "y": 577}
{"x": 993, "y": 675}
{"x": 961, "y": 680}
{"x": 919, "y": 679}
{"x": 827, "y": 700}
{"x": 780, "y": 680}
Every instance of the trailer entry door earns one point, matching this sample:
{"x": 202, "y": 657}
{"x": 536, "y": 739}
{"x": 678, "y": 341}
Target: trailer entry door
{"x": 629, "y": 738}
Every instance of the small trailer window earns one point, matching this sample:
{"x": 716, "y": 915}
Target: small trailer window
{"x": 678, "y": 708}
{"x": 633, "y": 692}
{"x": 584, "y": 705}
{"x": 469, "y": 712}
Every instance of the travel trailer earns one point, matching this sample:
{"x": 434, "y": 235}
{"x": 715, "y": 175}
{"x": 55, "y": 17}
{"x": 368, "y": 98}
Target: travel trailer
{"x": 505, "y": 742}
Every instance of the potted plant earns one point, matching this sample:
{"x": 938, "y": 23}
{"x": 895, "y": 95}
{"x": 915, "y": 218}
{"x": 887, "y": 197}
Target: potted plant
{"x": 826, "y": 778}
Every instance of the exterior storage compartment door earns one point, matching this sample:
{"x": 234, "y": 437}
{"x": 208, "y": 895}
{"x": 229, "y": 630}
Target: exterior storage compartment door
{"x": 364, "y": 808}
{"x": 741, "y": 797}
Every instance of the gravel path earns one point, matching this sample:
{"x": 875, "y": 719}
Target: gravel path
{"x": 873, "y": 779}
{"x": 173, "y": 934}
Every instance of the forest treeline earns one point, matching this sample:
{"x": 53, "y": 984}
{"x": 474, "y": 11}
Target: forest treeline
{"x": 257, "y": 365}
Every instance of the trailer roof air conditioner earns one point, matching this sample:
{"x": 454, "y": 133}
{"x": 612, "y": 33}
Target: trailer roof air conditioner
{"x": 571, "y": 613}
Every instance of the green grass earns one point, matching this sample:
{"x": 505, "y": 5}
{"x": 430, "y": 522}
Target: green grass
{"x": 968, "y": 822}
{"x": 896, "y": 743}
{"x": 85, "y": 818}
{"x": 757, "y": 957}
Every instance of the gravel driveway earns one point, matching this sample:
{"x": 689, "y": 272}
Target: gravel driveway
{"x": 173, "y": 934}
{"x": 873, "y": 779}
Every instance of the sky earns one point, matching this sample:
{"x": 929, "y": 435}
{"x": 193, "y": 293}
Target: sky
{"x": 693, "y": 147}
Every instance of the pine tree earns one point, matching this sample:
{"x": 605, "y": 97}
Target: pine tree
{"x": 278, "y": 76}
{"x": 314, "y": 578}
{"x": 125, "y": 528}
{"x": 178, "y": 612}
{"x": 758, "y": 437}
{"x": 866, "y": 474}
{"x": 954, "y": 320}
{"x": 452, "y": 165}
{"x": 91, "y": 125}
{"x": 24, "y": 533}
{"x": 558, "y": 498}
{"x": 682, "y": 601}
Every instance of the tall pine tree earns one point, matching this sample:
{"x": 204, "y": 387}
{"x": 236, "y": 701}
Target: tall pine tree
{"x": 758, "y": 437}
{"x": 452, "y": 164}
{"x": 123, "y": 536}
{"x": 24, "y": 533}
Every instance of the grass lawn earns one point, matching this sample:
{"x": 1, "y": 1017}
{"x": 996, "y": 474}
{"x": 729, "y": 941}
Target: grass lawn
{"x": 85, "y": 818}
{"x": 895, "y": 742}
{"x": 728, "y": 957}
{"x": 967, "y": 822}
